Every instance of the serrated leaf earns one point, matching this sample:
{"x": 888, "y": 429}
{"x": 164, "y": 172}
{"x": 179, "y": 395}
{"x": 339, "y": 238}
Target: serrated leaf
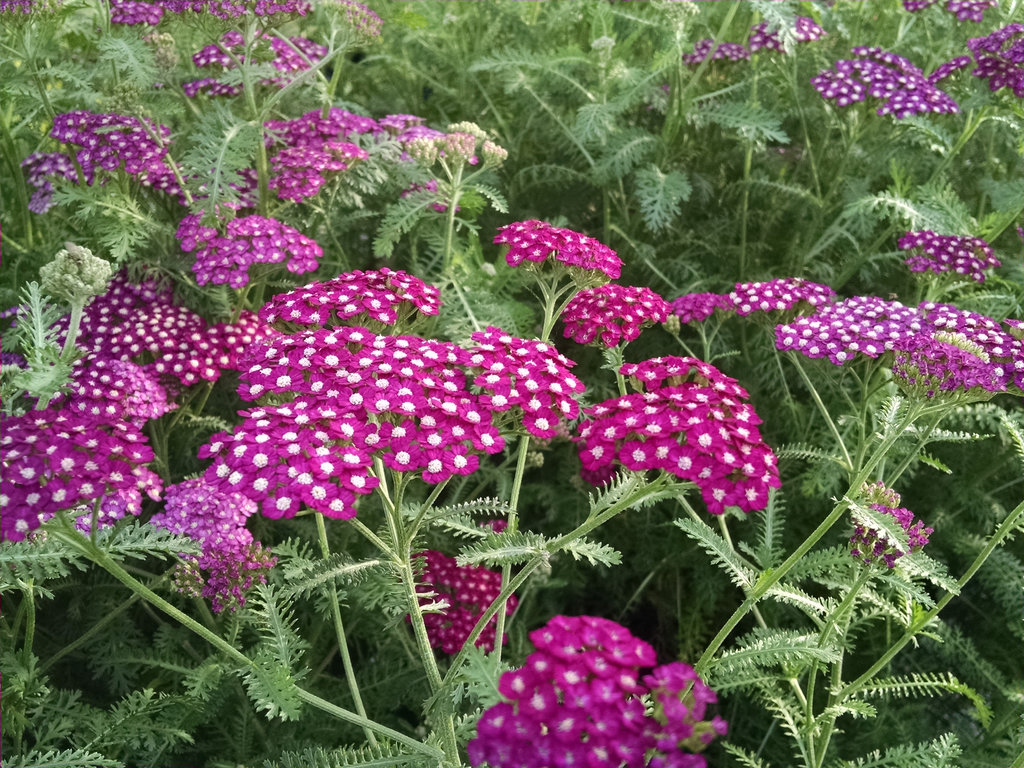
{"x": 594, "y": 552}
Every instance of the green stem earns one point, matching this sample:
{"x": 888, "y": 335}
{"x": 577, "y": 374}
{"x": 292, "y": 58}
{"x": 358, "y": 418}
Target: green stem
{"x": 770, "y": 577}
{"x": 64, "y": 532}
{"x": 339, "y": 631}
{"x": 30, "y": 623}
{"x": 513, "y": 526}
{"x": 449, "y": 229}
{"x": 90, "y": 633}
{"x": 1007, "y": 527}
{"x": 824, "y": 411}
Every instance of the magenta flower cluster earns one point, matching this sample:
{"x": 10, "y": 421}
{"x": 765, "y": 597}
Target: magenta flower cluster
{"x": 610, "y": 314}
{"x": 965, "y": 10}
{"x": 703, "y": 48}
{"x": 115, "y": 390}
{"x": 111, "y": 142}
{"x": 904, "y": 89}
{"x": 40, "y": 168}
{"x": 576, "y": 702}
{"x": 539, "y": 242}
{"x": 143, "y": 324}
{"x": 931, "y": 252}
{"x": 248, "y": 240}
{"x": 359, "y": 17}
{"x": 55, "y": 460}
{"x": 292, "y": 55}
{"x": 805, "y": 30}
{"x": 781, "y": 294}
{"x": 230, "y": 562}
{"x": 384, "y": 296}
{"x": 1000, "y": 58}
{"x": 151, "y": 12}
{"x": 689, "y": 420}
{"x": 871, "y": 545}
{"x": 466, "y": 591}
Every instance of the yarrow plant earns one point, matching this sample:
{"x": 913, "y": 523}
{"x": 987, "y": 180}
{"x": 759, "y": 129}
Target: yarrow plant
{"x": 610, "y": 314}
{"x": 578, "y": 701}
{"x": 931, "y": 252}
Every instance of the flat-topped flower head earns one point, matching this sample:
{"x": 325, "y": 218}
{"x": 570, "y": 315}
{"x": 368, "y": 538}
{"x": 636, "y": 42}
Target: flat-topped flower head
{"x": 142, "y": 323}
{"x": 248, "y": 240}
{"x": 804, "y": 30}
{"x": 577, "y": 701}
{"x": 534, "y": 242}
{"x": 230, "y": 562}
{"x": 689, "y": 420}
{"x": 845, "y": 330}
{"x": 928, "y": 364}
{"x": 384, "y": 296}
{"x": 458, "y": 594}
{"x": 724, "y": 51}
{"x": 291, "y": 55}
{"x": 1000, "y": 58}
{"x": 300, "y": 172}
{"x": 152, "y": 12}
{"x": 111, "y": 142}
{"x": 982, "y": 337}
{"x": 965, "y": 10}
{"x": 530, "y": 378}
{"x": 779, "y": 295}
{"x": 611, "y": 314}
{"x": 115, "y": 390}
{"x": 314, "y": 129}
{"x": 869, "y": 544}
{"x": 57, "y": 460}
{"x": 903, "y": 87}
{"x": 931, "y": 252}
{"x": 698, "y": 307}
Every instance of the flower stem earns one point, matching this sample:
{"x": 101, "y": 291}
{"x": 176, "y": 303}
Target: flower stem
{"x": 339, "y": 631}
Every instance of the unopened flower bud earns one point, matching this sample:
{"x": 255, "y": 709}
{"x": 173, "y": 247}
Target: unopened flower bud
{"x": 423, "y": 150}
{"x": 494, "y": 155}
{"x": 459, "y": 145}
{"x": 75, "y": 275}
{"x": 165, "y": 52}
{"x": 467, "y": 127}
{"x": 672, "y": 324}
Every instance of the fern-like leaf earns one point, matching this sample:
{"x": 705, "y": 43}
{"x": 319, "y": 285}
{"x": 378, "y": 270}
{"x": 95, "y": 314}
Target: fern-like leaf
{"x": 68, "y": 758}
{"x": 505, "y": 548}
{"x": 594, "y": 552}
{"x": 307, "y": 576}
{"x": 660, "y": 195}
{"x": 720, "y": 552}
{"x": 927, "y": 684}
{"x": 943, "y": 752}
{"x": 384, "y": 755}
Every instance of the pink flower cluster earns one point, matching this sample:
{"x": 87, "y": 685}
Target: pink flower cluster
{"x": 151, "y": 12}
{"x": 40, "y": 167}
{"x": 929, "y": 363}
{"x": 969, "y": 256}
{"x": 612, "y": 314}
{"x": 691, "y": 421}
{"x": 577, "y": 702}
{"x": 113, "y": 142}
{"x": 871, "y": 545}
{"x": 535, "y": 241}
{"x": 882, "y": 75}
{"x": 528, "y": 379}
{"x": 1000, "y": 58}
{"x": 246, "y": 241}
{"x": 115, "y": 390}
{"x": 987, "y": 341}
{"x": 231, "y": 560}
{"x": 467, "y": 590}
{"x": 777, "y": 295}
{"x": 805, "y": 30}
{"x": 703, "y": 48}
{"x": 55, "y": 460}
{"x": 141, "y": 323}
{"x": 384, "y": 296}
{"x": 965, "y": 10}
{"x": 359, "y": 17}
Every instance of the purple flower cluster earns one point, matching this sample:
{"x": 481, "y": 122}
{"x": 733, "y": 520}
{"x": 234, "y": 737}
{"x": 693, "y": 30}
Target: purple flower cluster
{"x": 577, "y": 702}
{"x": 612, "y": 313}
{"x": 805, "y": 30}
{"x": 40, "y": 167}
{"x": 231, "y": 560}
{"x": 703, "y": 48}
{"x": 781, "y": 294}
{"x": 467, "y": 591}
{"x": 360, "y": 18}
{"x": 246, "y": 241}
{"x": 969, "y": 256}
{"x": 528, "y": 379}
{"x": 384, "y": 296}
{"x": 965, "y": 10}
{"x": 18, "y": 6}
{"x": 929, "y": 363}
{"x": 862, "y": 325}
{"x": 111, "y": 142}
{"x": 987, "y": 341}
{"x": 535, "y": 241}
{"x": 1000, "y": 58}
{"x": 142, "y": 324}
{"x": 871, "y": 545}
{"x": 114, "y": 390}
{"x": 290, "y": 56}
{"x": 300, "y": 172}
{"x": 313, "y": 130}
{"x": 698, "y": 307}
{"x": 151, "y": 12}
{"x": 882, "y": 75}
{"x": 690, "y": 421}
{"x": 57, "y": 459}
